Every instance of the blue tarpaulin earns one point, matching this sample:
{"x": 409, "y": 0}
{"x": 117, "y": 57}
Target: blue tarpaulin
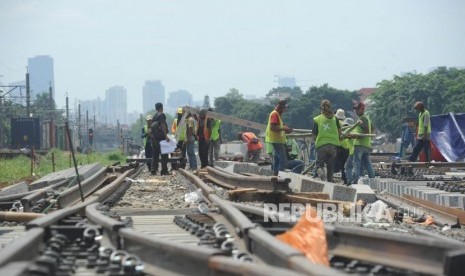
{"x": 447, "y": 134}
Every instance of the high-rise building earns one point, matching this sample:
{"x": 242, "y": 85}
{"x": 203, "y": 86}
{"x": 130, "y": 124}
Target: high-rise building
{"x": 94, "y": 108}
{"x": 179, "y": 98}
{"x": 152, "y": 92}
{"x": 116, "y": 105}
{"x": 41, "y": 74}
{"x": 286, "y": 81}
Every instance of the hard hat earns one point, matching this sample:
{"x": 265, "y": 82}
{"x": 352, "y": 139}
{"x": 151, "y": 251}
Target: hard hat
{"x": 340, "y": 114}
{"x": 179, "y": 111}
{"x": 418, "y": 105}
{"x": 148, "y": 117}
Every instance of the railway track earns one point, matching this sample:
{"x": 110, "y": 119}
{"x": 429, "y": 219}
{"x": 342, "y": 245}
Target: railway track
{"x": 78, "y": 239}
{"x": 209, "y": 236}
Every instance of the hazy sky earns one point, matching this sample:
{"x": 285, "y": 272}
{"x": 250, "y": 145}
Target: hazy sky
{"x": 208, "y": 47}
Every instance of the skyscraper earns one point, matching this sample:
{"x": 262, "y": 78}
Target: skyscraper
{"x": 41, "y": 75}
{"x": 152, "y": 92}
{"x": 116, "y": 105}
{"x": 179, "y": 98}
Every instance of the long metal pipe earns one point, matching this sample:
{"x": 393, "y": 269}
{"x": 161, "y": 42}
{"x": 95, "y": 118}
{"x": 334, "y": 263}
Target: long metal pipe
{"x": 19, "y": 216}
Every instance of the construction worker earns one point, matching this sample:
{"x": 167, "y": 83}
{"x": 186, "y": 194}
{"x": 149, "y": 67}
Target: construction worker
{"x": 348, "y": 143}
{"x": 180, "y": 146}
{"x": 407, "y": 136}
{"x": 203, "y": 134}
{"x": 362, "y": 144}
{"x": 191, "y": 130}
{"x": 254, "y": 146}
{"x": 176, "y": 120}
{"x": 275, "y": 135}
{"x": 147, "y": 140}
{"x": 343, "y": 149}
{"x": 159, "y": 131}
{"x": 326, "y": 129}
{"x": 215, "y": 140}
{"x": 292, "y": 154}
{"x": 424, "y": 133}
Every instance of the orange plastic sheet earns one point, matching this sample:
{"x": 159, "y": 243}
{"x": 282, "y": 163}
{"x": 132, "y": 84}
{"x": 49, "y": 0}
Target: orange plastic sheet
{"x": 309, "y": 237}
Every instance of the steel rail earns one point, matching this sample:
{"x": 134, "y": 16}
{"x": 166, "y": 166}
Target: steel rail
{"x": 15, "y": 196}
{"x": 260, "y": 242}
{"x": 72, "y": 195}
{"x": 429, "y": 164}
{"x": 110, "y": 226}
{"x": 99, "y": 195}
{"x": 29, "y": 201}
{"x": 224, "y": 265}
{"x": 240, "y": 181}
{"x": 17, "y": 256}
{"x": 419, "y": 254}
{"x": 441, "y": 218}
{"x": 206, "y": 190}
{"x": 23, "y": 248}
{"x": 428, "y": 255}
{"x": 175, "y": 257}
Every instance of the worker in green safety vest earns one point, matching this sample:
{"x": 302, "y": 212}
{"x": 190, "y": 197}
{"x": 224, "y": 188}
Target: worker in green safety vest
{"x": 362, "y": 144}
{"x": 275, "y": 135}
{"x": 215, "y": 140}
{"x": 147, "y": 140}
{"x": 326, "y": 129}
{"x": 424, "y": 133}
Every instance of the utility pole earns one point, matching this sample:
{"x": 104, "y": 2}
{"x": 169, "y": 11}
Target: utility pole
{"x": 28, "y": 95}
{"x": 79, "y": 126}
{"x": 52, "y": 109}
{"x": 1, "y": 120}
{"x": 87, "y": 127}
{"x": 67, "y": 108}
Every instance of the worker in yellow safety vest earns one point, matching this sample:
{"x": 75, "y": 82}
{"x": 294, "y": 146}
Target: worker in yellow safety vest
{"x": 276, "y": 136}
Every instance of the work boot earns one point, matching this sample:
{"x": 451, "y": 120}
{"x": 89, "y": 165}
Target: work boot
{"x": 321, "y": 174}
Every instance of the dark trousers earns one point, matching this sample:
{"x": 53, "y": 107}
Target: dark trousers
{"x": 326, "y": 154}
{"x": 341, "y": 158}
{"x": 156, "y": 158}
{"x": 148, "y": 153}
{"x": 182, "y": 146}
{"x": 421, "y": 144}
{"x": 203, "y": 152}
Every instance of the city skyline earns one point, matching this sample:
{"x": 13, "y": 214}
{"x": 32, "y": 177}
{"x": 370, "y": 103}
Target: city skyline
{"x": 207, "y": 47}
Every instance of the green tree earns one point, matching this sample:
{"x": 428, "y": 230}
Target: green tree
{"x": 302, "y": 110}
{"x": 442, "y": 90}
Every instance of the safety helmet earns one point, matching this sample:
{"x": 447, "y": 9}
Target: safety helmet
{"x": 179, "y": 111}
{"x": 148, "y": 117}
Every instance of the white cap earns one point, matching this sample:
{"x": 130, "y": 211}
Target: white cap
{"x": 340, "y": 114}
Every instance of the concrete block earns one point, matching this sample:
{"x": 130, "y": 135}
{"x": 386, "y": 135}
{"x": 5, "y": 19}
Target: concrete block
{"x": 266, "y": 171}
{"x": 296, "y": 180}
{"x": 374, "y": 184}
{"x": 228, "y": 169}
{"x": 461, "y": 199}
{"x": 420, "y": 192}
{"x": 450, "y": 200}
{"x": 342, "y": 192}
{"x": 311, "y": 185}
{"x": 52, "y": 178}
{"x": 14, "y": 189}
{"x": 433, "y": 196}
{"x": 233, "y": 148}
{"x": 246, "y": 168}
{"x": 223, "y": 164}
{"x": 364, "y": 192}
